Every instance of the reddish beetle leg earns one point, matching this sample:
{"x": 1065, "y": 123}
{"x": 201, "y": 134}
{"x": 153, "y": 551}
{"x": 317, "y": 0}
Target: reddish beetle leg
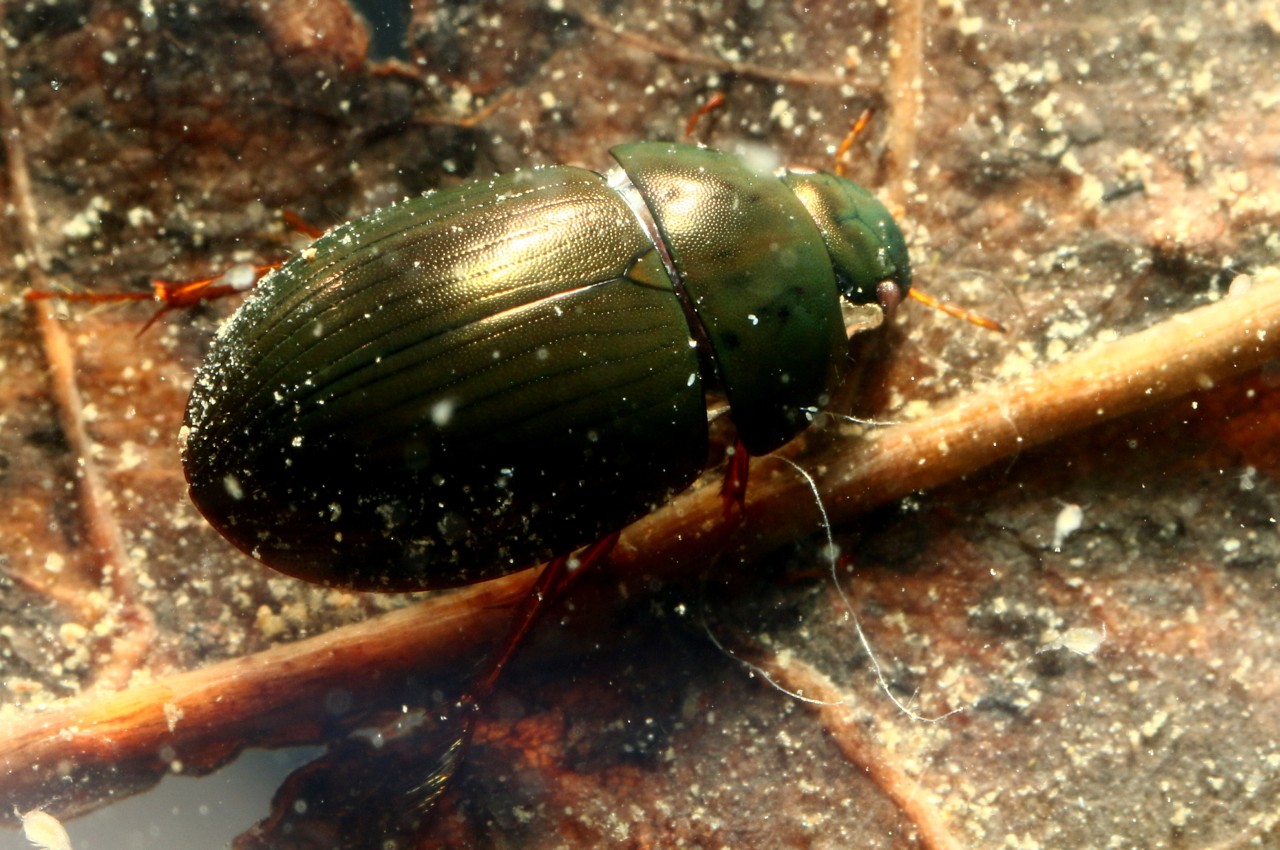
{"x": 171, "y": 295}
{"x": 181, "y": 294}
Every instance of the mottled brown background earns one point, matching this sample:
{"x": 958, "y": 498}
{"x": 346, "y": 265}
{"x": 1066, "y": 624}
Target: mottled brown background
{"x": 1085, "y": 169}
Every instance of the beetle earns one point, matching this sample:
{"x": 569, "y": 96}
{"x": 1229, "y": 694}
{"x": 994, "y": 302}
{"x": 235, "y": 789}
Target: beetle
{"x": 465, "y": 383}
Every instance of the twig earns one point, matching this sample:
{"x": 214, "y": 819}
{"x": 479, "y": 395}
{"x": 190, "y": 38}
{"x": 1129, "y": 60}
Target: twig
{"x": 279, "y": 697}
{"x": 862, "y": 748}
{"x": 133, "y": 626}
{"x": 752, "y": 70}
{"x": 903, "y": 93}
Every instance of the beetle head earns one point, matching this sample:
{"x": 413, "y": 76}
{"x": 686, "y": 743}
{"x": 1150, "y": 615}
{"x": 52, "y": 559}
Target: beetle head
{"x": 868, "y": 253}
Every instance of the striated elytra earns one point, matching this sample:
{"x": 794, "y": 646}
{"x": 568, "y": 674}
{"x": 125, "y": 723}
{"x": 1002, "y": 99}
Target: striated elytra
{"x": 466, "y": 383}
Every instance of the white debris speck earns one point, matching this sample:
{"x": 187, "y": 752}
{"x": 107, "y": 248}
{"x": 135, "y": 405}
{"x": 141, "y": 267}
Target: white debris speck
{"x": 1082, "y": 640}
{"x": 240, "y": 277}
{"x": 172, "y": 714}
{"x": 781, "y": 112}
{"x": 139, "y": 216}
{"x": 87, "y": 222}
{"x": 232, "y": 485}
{"x": 442, "y": 411}
{"x": 460, "y": 100}
{"x": 131, "y": 456}
{"x": 1068, "y": 522}
{"x": 72, "y": 634}
{"x": 44, "y": 830}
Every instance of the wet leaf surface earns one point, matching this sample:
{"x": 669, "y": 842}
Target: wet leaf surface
{"x": 1082, "y": 172}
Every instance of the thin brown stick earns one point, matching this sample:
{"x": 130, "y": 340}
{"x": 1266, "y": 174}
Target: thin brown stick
{"x": 672, "y": 52}
{"x": 862, "y": 747}
{"x": 277, "y": 695}
{"x": 273, "y": 698}
{"x": 903, "y": 93}
{"x": 133, "y": 626}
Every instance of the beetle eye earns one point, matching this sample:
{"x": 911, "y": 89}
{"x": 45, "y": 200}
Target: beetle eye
{"x": 889, "y": 296}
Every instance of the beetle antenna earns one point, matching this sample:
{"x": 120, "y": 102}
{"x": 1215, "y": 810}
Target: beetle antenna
{"x": 957, "y": 312}
{"x": 832, "y": 553}
{"x": 846, "y": 144}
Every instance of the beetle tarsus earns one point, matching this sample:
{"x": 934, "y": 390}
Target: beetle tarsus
{"x": 733, "y": 487}
{"x": 714, "y": 102}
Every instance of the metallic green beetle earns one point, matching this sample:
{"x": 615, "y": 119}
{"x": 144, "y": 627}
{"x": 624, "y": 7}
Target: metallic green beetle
{"x": 463, "y": 384}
